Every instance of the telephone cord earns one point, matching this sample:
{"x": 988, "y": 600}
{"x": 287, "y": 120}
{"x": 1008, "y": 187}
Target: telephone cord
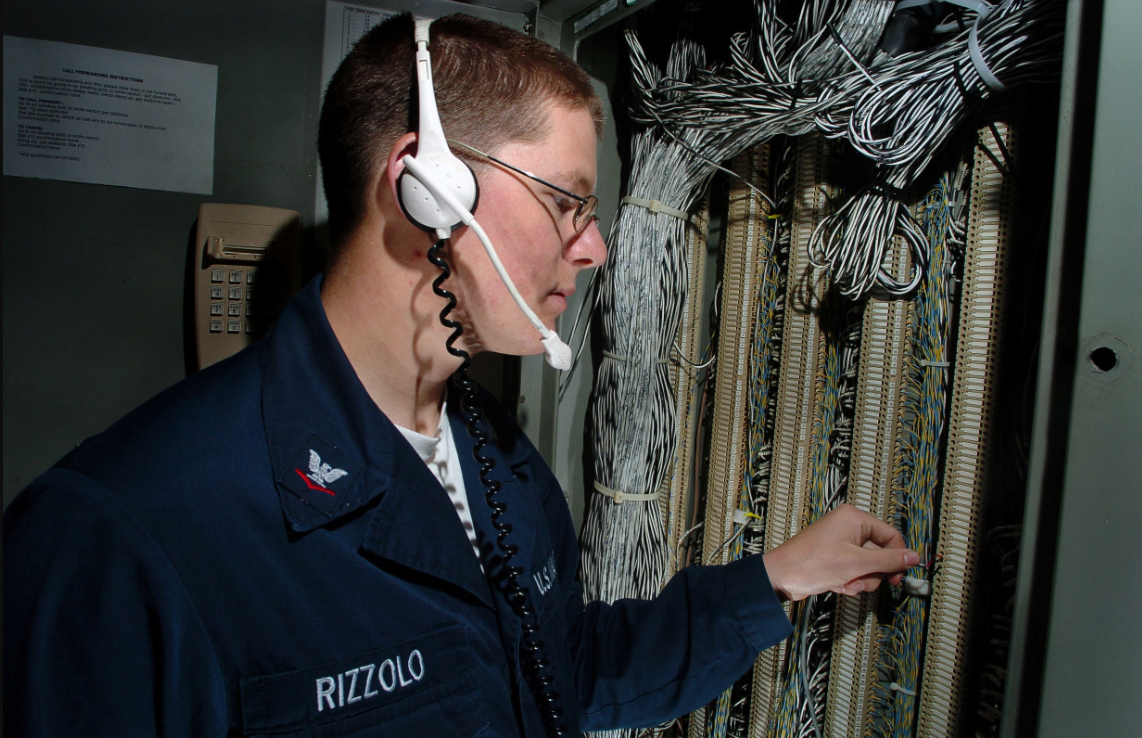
{"x": 535, "y": 664}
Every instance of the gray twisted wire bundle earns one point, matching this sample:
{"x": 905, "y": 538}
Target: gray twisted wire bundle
{"x": 642, "y": 294}
{"x": 899, "y": 112}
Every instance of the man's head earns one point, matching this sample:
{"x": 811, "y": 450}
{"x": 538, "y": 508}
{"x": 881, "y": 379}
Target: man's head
{"x": 493, "y": 86}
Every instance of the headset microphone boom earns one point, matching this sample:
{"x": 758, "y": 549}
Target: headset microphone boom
{"x": 438, "y": 192}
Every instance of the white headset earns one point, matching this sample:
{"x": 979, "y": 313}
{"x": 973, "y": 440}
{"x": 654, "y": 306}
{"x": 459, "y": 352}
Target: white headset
{"x": 438, "y": 192}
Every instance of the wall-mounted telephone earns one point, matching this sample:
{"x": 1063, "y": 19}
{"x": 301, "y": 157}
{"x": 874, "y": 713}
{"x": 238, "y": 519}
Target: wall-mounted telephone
{"x": 247, "y": 261}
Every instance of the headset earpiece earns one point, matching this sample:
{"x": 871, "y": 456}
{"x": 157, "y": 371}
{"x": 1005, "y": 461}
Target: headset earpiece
{"x": 423, "y": 208}
{"x": 420, "y": 203}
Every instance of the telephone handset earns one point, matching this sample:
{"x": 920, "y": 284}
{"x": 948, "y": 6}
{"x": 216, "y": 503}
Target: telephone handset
{"x": 247, "y": 263}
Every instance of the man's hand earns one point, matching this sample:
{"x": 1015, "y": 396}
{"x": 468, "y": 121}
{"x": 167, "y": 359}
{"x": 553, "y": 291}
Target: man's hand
{"x": 846, "y": 551}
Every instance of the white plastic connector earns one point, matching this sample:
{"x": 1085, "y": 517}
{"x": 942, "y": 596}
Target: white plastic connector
{"x": 916, "y": 586}
{"x": 895, "y": 687}
{"x": 420, "y": 32}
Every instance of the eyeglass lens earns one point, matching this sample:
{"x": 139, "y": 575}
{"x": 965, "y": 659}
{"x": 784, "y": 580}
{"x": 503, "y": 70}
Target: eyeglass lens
{"x": 585, "y": 212}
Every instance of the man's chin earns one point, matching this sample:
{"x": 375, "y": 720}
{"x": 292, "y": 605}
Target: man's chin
{"x": 519, "y": 346}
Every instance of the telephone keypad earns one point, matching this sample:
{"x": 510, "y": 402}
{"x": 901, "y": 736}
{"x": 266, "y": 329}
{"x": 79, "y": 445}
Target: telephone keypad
{"x": 241, "y": 299}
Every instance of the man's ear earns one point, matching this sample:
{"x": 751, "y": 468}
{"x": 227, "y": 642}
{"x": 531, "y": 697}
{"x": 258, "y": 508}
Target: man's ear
{"x": 405, "y": 145}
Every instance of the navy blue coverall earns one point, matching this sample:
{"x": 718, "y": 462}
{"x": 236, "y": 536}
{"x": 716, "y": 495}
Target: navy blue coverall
{"x": 183, "y": 574}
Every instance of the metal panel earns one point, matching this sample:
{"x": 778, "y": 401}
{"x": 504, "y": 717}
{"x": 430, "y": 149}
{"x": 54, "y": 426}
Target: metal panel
{"x": 1093, "y": 662}
{"x": 1078, "y": 608}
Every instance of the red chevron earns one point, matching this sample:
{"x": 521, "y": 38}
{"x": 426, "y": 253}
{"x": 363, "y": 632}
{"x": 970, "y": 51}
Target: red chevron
{"x": 311, "y": 485}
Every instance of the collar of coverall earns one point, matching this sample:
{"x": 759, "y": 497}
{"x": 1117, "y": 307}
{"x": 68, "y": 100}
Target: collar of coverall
{"x": 334, "y": 452}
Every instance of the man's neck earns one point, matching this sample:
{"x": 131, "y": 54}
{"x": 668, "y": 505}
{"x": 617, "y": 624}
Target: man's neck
{"x": 381, "y": 307}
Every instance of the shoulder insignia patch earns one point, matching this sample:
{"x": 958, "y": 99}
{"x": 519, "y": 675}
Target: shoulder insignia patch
{"x": 321, "y": 475}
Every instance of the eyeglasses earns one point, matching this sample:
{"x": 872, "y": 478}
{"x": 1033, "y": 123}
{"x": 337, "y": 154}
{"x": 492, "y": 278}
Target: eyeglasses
{"x": 588, "y": 205}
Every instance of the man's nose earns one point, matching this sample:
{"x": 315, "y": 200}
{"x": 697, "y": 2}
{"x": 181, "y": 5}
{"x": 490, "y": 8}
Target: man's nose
{"x": 587, "y": 249}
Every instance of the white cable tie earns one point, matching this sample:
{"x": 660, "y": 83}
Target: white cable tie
{"x": 616, "y": 357}
{"x": 940, "y": 364}
{"x": 897, "y": 688}
{"x": 619, "y": 496}
{"x": 977, "y": 60}
{"x": 657, "y": 206}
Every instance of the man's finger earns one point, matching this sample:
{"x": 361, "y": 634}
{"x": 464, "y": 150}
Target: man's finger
{"x": 866, "y": 583}
{"x": 885, "y": 561}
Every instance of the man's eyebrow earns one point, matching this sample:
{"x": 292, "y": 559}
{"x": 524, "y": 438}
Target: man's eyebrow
{"x": 572, "y": 181}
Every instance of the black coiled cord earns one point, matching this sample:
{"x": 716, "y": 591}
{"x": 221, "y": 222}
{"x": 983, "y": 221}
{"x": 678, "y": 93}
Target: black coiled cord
{"x": 536, "y": 665}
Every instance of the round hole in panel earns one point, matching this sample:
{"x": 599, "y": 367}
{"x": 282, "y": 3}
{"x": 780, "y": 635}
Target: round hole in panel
{"x": 1102, "y": 359}
{"x": 1106, "y": 359}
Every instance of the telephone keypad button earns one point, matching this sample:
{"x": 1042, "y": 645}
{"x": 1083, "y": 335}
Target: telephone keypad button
{"x": 215, "y": 308}
{"x": 217, "y": 292}
{"x": 235, "y": 309}
{"x": 252, "y": 276}
{"x": 235, "y": 293}
{"x": 235, "y": 276}
{"x": 217, "y": 275}
{"x": 216, "y": 325}
{"x": 233, "y": 326}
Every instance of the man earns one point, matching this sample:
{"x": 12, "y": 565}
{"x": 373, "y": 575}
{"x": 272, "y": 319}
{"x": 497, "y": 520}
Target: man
{"x": 293, "y": 542}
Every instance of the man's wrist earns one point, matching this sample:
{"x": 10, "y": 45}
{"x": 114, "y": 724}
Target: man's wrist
{"x": 774, "y": 568}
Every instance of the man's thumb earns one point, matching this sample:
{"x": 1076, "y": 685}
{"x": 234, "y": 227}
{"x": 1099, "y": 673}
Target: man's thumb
{"x": 888, "y": 560}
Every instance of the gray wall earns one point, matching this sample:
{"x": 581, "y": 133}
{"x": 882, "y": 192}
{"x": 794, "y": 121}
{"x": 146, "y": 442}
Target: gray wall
{"x": 93, "y": 275}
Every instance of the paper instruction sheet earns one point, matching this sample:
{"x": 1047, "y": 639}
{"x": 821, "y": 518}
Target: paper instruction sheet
{"x": 84, "y": 114}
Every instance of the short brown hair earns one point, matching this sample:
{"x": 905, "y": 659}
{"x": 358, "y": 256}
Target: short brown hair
{"x": 491, "y": 83}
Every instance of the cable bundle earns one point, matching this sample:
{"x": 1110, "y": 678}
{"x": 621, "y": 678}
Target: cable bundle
{"x": 642, "y": 294}
{"x": 896, "y": 111}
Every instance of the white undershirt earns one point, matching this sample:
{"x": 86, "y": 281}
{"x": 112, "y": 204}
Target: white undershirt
{"x": 439, "y": 453}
